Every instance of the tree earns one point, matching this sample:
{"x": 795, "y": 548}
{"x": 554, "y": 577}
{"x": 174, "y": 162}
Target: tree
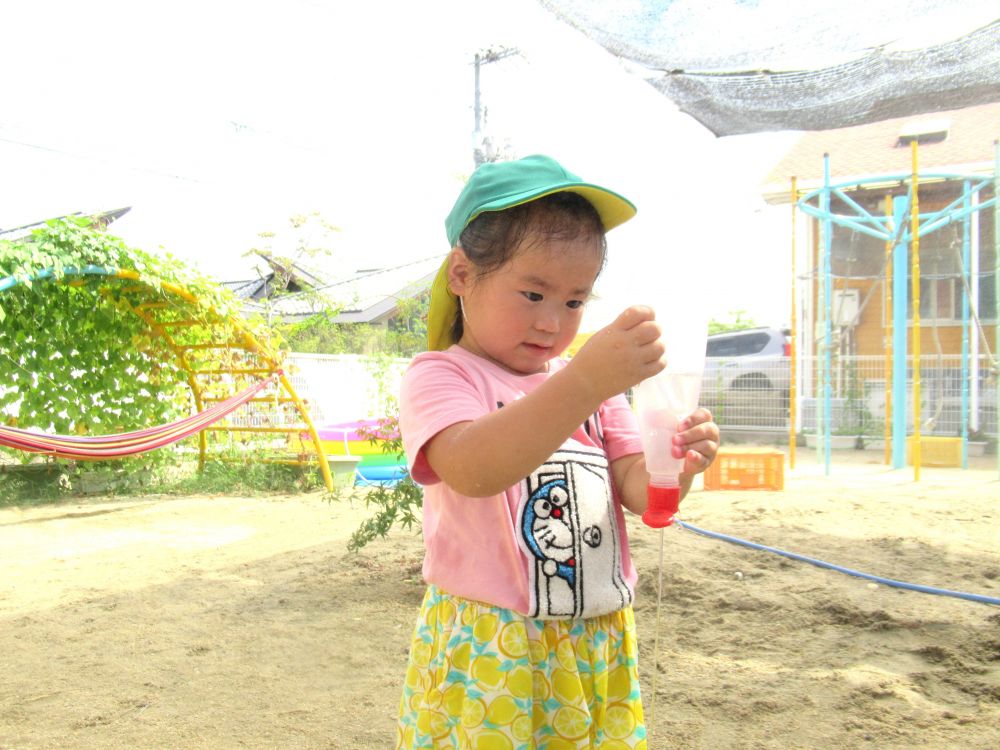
{"x": 308, "y": 236}
{"x": 738, "y": 323}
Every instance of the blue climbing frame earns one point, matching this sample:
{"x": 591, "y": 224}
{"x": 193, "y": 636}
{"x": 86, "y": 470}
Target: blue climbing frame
{"x": 831, "y": 205}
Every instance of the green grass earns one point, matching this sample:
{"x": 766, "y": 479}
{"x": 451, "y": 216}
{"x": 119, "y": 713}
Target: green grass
{"x": 32, "y": 484}
{"x": 41, "y": 483}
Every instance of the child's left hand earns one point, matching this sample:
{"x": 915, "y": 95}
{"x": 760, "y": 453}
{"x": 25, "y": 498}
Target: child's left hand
{"x": 696, "y": 441}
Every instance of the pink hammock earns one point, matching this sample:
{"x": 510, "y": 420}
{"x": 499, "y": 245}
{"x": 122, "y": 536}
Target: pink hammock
{"x": 126, "y": 443}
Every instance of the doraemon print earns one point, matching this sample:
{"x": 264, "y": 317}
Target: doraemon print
{"x": 567, "y": 524}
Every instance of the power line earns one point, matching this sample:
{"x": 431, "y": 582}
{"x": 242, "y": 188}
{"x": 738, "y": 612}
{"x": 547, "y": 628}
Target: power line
{"x": 88, "y": 157}
{"x": 238, "y": 127}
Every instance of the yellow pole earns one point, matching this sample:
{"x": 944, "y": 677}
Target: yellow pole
{"x": 887, "y": 340}
{"x": 793, "y": 379}
{"x": 250, "y": 343}
{"x": 324, "y": 466}
{"x": 915, "y": 273}
{"x": 182, "y": 360}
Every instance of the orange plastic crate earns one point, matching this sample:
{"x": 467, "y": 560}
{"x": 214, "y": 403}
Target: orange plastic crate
{"x": 746, "y": 469}
{"x": 936, "y": 451}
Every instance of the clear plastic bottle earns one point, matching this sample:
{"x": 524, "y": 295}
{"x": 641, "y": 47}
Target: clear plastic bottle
{"x": 661, "y": 402}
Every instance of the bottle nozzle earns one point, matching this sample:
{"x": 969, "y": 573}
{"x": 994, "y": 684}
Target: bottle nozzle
{"x": 663, "y": 502}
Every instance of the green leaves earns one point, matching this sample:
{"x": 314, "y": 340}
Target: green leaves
{"x": 738, "y": 321}
{"x": 399, "y": 504}
{"x": 74, "y": 357}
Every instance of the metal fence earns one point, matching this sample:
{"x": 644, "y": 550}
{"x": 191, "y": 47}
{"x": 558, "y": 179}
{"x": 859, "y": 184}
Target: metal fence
{"x": 755, "y": 394}
{"x": 743, "y": 393}
{"x": 750, "y": 393}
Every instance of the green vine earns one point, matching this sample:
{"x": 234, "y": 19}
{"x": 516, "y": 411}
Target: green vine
{"x": 74, "y": 355}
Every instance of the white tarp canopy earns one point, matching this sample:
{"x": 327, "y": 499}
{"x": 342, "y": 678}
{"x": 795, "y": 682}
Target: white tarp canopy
{"x": 744, "y": 66}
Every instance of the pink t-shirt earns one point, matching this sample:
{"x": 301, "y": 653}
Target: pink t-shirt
{"x": 554, "y": 545}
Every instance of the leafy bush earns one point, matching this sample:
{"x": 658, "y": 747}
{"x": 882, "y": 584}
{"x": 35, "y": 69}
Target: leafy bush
{"x": 739, "y": 321}
{"x": 399, "y": 503}
{"x": 75, "y": 357}
{"x": 318, "y": 334}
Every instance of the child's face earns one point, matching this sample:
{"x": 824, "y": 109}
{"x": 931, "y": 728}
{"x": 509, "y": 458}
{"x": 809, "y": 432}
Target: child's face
{"x": 528, "y": 311}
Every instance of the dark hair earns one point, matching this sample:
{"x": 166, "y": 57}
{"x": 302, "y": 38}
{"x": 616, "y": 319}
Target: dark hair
{"x": 492, "y": 238}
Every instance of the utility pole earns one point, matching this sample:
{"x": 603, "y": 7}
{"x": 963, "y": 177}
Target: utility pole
{"x": 480, "y": 147}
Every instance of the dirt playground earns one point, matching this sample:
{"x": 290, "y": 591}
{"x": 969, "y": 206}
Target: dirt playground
{"x": 233, "y": 622}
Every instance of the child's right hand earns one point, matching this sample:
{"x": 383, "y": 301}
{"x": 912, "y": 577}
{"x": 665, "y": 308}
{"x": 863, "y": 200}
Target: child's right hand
{"x": 622, "y": 354}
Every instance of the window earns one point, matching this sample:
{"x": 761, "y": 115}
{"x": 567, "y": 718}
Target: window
{"x": 938, "y": 299}
{"x": 742, "y": 345}
{"x": 941, "y": 285}
{"x": 725, "y": 347}
{"x": 924, "y": 131}
{"x": 752, "y": 343}
{"x": 940, "y": 275}
{"x": 987, "y": 290}
{"x": 987, "y": 309}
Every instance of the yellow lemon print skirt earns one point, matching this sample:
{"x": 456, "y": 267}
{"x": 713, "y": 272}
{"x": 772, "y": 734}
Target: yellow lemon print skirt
{"x": 485, "y": 678}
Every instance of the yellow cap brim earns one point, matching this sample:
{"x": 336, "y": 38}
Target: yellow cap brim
{"x": 443, "y": 308}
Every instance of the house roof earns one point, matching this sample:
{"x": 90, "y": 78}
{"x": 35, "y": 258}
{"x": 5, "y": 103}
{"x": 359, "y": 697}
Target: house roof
{"x": 298, "y": 274}
{"x": 874, "y": 149}
{"x": 368, "y": 296}
{"x": 102, "y": 217}
{"x": 244, "y": 289}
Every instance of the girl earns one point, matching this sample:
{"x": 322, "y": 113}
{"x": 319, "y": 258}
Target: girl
{"x": 526, "y": 636}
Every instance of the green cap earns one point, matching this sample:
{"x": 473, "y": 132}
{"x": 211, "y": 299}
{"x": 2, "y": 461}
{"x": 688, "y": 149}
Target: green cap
{"x": 505, "y": 184}
{"x": 496, "y": 186}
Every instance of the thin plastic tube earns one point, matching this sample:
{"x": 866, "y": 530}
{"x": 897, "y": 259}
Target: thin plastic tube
{"x": 982, "y": 599}
{"x": 656, "y": 640}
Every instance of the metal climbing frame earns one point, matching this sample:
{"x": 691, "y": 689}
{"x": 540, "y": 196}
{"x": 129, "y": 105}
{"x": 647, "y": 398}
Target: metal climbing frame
{"x": 215, "y": 369}
{"x": 901, "y": 228}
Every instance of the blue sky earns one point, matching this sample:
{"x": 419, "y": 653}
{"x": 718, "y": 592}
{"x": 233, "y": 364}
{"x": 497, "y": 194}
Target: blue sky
{"x": 215, "y": 120}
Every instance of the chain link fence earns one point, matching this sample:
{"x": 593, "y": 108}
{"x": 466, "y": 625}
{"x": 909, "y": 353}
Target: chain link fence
{"x": 754, "y": 393}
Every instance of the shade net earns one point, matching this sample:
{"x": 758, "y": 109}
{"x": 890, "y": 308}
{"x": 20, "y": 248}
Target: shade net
{"x": 744, "y": 66}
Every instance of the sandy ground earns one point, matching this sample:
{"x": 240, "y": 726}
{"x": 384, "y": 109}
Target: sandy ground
{"x": 229, "y": 622}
